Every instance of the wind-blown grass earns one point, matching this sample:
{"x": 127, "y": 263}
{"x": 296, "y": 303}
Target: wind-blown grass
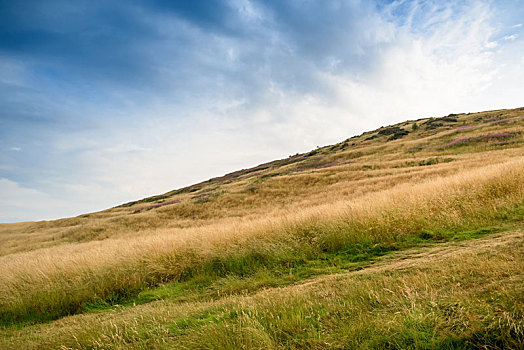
{"x": 374, "y": 242}
{"x": 47, "y": 284}
{"x": 459, "y": 295}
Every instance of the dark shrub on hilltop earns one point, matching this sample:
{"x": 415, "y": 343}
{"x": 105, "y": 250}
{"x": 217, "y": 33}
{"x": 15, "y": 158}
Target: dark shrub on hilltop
{"x": 394, "y": 132}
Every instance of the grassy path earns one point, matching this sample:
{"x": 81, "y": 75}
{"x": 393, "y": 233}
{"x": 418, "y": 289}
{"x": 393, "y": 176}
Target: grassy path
{"x": 439, "y": 295}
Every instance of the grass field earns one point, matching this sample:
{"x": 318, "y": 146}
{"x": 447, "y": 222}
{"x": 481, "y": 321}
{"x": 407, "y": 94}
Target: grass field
{"x": 409, "y": 236}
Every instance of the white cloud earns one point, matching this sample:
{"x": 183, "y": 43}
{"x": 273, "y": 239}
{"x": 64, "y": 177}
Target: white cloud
{"x": 16, "y": 149}
{"x": 517, "y": 25}
{"x": 434, "y": 72}
{"x": 18, "y": 203}
{"x": 268, "y": 99}
{"x": 511, "y": 37}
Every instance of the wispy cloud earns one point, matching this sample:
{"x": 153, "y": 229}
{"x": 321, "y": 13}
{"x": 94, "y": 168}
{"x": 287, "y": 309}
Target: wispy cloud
{"x": 112, "y": 101}
{"x": 20, "y": 203}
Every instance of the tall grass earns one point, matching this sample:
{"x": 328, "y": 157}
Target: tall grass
{"x": 50, "y": 283}
{"x": 456, "y": 295}
{"x": 469, "y": 299}
{"x": 287, "y": 185}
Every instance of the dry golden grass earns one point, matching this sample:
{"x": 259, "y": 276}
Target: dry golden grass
{"x": 59, "y": 280}
{"x": 469, "y": 292}
{"x": 372, "y": 168}
{"x": 365, "y": 191}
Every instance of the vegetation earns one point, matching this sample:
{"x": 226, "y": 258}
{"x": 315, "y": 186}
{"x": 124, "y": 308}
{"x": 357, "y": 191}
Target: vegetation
{"x": 362, "y": 244}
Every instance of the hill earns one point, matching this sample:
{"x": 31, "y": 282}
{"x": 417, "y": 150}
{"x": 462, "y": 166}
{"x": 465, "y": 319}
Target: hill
{"x": 410, "y": 235}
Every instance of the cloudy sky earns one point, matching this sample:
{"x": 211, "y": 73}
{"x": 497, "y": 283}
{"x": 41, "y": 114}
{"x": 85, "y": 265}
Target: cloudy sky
{"x": 103, "y": 102}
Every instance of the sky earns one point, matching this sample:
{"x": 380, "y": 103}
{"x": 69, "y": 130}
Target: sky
{"x": 105, "y": 102}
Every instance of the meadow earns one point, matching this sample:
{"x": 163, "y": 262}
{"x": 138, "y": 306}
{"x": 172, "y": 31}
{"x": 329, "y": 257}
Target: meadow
{"x": 408, "y": 236}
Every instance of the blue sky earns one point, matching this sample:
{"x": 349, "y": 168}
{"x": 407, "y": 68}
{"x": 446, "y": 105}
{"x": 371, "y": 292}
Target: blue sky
{"x": 103, "y": 102}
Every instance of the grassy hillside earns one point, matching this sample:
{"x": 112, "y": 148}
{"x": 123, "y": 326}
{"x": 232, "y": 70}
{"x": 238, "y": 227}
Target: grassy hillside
{"x": 409, "y": 236}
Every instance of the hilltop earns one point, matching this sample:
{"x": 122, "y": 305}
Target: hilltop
{"x": 410, "y": 235}
{"x": 365, "y": 163}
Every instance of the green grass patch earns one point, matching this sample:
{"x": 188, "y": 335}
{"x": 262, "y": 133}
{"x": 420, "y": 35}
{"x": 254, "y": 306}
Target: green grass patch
{"x": 311, "y": 251}
{"x": 424, "y": 162}
{"x": 245, "y": 274}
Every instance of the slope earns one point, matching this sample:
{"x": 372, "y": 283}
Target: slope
{"x": 362, "y": 164}
{"x": 380, "y": 196}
